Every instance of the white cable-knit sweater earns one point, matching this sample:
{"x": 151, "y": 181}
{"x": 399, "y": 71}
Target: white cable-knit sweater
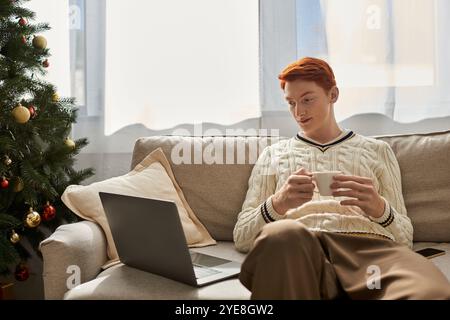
{"x": 350, "y": 153}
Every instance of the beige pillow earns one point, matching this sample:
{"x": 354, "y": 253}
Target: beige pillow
{"x": 151, "y": 178}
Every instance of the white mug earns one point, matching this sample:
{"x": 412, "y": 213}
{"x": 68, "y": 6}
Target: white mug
{"x": 323, "y": 181}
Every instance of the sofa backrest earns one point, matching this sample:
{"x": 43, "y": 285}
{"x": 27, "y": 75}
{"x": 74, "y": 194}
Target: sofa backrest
{"x": 213, "y": 174}
{"x": 215, "y": 191}
{"x": 424, "y": 161}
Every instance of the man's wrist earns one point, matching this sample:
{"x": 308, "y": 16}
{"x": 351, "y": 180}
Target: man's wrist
{"x": 273, "y": 212}
{"x": 383, "y": 209}
{"x": 276, "y": 206}
{"x": 386, "y": 218}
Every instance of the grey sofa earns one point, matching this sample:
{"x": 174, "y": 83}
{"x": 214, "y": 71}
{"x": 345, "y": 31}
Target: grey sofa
{"x": 216, "y": 193}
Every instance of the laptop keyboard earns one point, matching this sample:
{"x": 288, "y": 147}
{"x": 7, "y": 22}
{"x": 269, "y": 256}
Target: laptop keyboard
{"x": 201, "y": 271}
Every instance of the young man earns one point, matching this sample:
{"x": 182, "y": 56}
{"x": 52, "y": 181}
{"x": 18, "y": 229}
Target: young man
{"x": 356, "y": 244}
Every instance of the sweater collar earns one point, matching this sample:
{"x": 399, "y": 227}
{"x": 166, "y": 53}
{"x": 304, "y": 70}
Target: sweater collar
{"x": 344, "y": 136}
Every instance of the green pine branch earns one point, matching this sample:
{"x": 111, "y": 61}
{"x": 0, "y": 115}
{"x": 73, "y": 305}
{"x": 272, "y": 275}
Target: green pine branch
{"x": 42, "y": 163}
{"x": 8, "y": 222}
{"x": 9, "y": 8}
{"x": 8, "y": 253}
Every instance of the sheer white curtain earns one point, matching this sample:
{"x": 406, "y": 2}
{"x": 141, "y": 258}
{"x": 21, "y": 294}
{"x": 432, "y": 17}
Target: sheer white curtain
{"x": 170, "y": 62}
{"x": 141, "y": 36}
{"x": 56, "y": 13}
{"x": 389, "y": 57}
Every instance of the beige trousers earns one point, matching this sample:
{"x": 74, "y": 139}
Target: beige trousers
{"x": 288, "y": 261}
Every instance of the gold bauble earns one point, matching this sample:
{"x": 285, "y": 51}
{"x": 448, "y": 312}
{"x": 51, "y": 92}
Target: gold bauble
{"x": 8, "y": 161}
{"x": 32, "y": 219}
{"x": 21, "y": 114}
{"x": 17, "y": 184}
{"x": 39, "y": 42}
{"x": 70, "y": 143}
{"x": 14, "y": 238}
{"x": 55, "y": 97}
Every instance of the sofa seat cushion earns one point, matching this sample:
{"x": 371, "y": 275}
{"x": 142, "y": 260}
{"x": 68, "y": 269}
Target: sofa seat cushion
{"x": 123, "y": 282}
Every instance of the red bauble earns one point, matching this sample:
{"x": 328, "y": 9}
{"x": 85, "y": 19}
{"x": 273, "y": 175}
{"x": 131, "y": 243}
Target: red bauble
{"x": 21, "y": 273}
{"x": 22, "y": 21}
{"x": 32, "y": 111}
{"x": 46, "y": 64}
{"x": 49, "y": 213}
{"x": 24, "y": 40}
{"x": 4, "y": 184}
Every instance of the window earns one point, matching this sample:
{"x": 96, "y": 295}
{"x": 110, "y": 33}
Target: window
{"x": 384, "y": 53}
{"x": 165, "y": 67}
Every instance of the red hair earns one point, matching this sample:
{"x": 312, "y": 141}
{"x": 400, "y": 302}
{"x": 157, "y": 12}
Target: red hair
{"x": 309, "y": 69}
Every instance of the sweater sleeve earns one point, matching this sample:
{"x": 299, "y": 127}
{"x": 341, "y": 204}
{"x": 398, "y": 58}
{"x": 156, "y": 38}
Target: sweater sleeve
{"x": 257, "y": 208}
{"x": 395, "y": 218}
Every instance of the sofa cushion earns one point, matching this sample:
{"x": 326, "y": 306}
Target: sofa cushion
{"x": 425, "y": 169}
{"x": 123, "y": 282}
{"x": 215, "y": 189}
{"x": 151, "y": 178}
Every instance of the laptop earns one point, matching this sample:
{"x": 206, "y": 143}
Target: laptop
{"x": 149, "y": 236}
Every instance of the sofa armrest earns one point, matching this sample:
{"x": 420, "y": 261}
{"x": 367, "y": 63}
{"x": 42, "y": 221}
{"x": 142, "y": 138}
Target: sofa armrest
{"x": 73, "y": 254}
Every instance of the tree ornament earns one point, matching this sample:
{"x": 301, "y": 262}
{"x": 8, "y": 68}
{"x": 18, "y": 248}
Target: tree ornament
{"x": 24, "y": 39}
{"x": 49, "y": 212}
{"x": 23, "y": 21}
{"x": 55, "y": 97}
{"x": 32, "y": 219}
{"x": 5, "y": 183}
{"x": 17, "y": 184}
{"x": 32, "y": 110}
{"x": 39, "y": 42}
{"x": 21, "y": 273}
{"x": 46, "y": 64}
{"x": 8, "y": 160}
{"x": 21, "y": 114}
{"x": 14, "y": 238}
{"x": 70, "y": 143}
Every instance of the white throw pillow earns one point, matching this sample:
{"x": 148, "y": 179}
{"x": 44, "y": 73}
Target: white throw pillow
{"x": 151, "y": 178}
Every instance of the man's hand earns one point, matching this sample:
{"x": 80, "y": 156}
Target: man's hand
{"x": 297, "y": 190}
{"x": 363, "y": 190}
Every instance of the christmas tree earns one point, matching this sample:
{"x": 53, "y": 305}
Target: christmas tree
{"x": 36, "y": 153}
